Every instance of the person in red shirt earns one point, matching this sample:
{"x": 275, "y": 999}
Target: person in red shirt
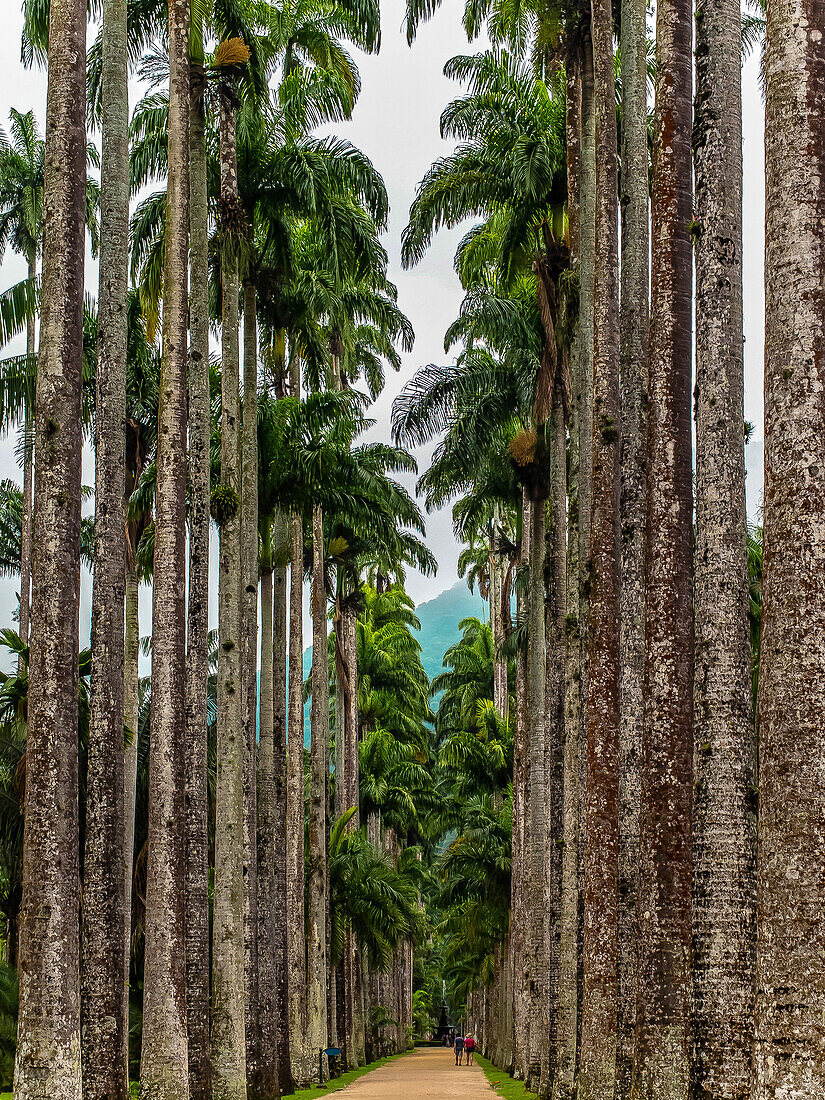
{"x": 469, "y": 1047}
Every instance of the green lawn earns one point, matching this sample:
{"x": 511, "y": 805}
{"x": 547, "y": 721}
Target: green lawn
{"x": 504, "y": 1084}
{"x": 339, "y": 1082}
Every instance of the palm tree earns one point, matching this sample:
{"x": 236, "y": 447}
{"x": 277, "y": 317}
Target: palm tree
{"x": 164, "y": 1055}
{"x": 197, "y": 619}
{"x": 48, "y": 1055}
{"x": 662, "y": 1054}
{"x": 581, "y": 206}
{"x": 142, "y": 370}
{"x": 724, "y": 943}
{"x": 271, "y": 794}
{"x": 509, "y": 109}
{"x": 228, "y": 1015}
{"x": 789, "y": 883}
{"x": 105, "y": 985}
{"x": 635, "y": 249}
{"x": 597, "y": 1072}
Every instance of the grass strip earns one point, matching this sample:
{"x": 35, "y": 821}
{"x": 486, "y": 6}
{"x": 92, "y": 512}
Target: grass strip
{"x": 340, "y": 1082}
{"x": 503, "y": 1083}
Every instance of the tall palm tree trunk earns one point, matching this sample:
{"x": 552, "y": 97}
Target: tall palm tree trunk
{"x": 249, "y": 679}
{"x": 662, "y": 1048}
{"x": 534, "y": 956}
{"x": 296, "y": 936}
{"x": 724, "y": 873}
{"x": 48, "y": 1061}
{"x": 345, "y": 770}
{"x": 197, "y": 651}
{"x": 103, "y": 990}
{"x": 268, "y": 809}
{"x": 28, "y": 481}
{"x": 597, "y": 1061}
{"x": 164, "y": 1056}
{"x": 520, "y": 896}
{"x": 498, "y": 594}
{"x": 228, "y": 993}
{"x": 352, "y": 964}
{"x": 633, "y": 319}
{"x": 131, "y": 652}
{"x": 319, "y": 772}
{"x": 587, "y": 252}
{"x": 555, "y": 611}
{"x": 567, "y": 1018}
{"x": 280, "y": 838}
{"x": 790, "y": 980}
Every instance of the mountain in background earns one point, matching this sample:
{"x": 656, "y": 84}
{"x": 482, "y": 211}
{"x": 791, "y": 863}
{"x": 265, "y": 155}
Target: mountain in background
{"x": 439, "y": 623}
{"x": 439, "y": 619}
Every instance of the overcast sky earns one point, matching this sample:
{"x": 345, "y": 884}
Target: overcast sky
{"x": 396, "y": 124}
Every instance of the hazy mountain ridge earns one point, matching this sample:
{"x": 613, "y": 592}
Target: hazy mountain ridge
{"x": 439, "y": 618}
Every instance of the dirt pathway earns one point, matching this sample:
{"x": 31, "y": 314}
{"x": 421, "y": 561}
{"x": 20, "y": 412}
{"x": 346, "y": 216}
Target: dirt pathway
{"x": 426, "y": 1074}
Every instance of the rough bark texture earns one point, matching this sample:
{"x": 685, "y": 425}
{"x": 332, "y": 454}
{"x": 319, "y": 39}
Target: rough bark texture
{"x": 724, "y": 877}
{"x": 164, "y": 1056}
{"x": 587, "y": 252}
{"x": 635, "y": 279}
{"x": 499, "y": 592}
{"x": 301, "y": 1058}
{"x": 279, "y": 725}
{"x": 555, "y": 610}
{"x": 663, "y": 1002}
{"x": 228, "y": 992}
{"x": 296, "y": 938}
{"x": 130, "y": 722}
{"x": 316, "y": 978}
{"x": 597, "y": 1061}
{"x": 354, "y": 1021}
{"x": 567, "y": 1019}
{"x": 587, "y": 204}
{"x": 272, "y": 815}
{"x": 48, "y": 1047}
{"x": 104, "y": 1016}
{"x": 197, "y": 650}
{"x": 534, "y": 961}
{"x": 266, "y": 838}
{"x": 519, "y": 900}
{"x": 790, "y": 1006}
{"x": 249, "y": 679}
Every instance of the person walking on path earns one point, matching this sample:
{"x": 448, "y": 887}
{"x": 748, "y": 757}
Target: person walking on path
{"x": 469, "y": 1047}
{"x": 459, "y": 1050}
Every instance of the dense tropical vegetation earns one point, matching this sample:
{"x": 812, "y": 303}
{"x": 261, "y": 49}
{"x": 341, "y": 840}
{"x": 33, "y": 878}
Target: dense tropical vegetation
{"x": 595, "y": 839}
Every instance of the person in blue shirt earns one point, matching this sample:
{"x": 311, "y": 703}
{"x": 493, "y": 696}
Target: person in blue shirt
{"x": 459, "y": 1050}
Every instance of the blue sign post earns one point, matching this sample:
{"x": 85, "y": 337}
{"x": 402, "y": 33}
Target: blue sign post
{"x": 331, "y": 1052}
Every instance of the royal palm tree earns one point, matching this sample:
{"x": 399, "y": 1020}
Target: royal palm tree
{"x": 164, "y": 1055}
{"x": 229, "y": 1070}
{"x": 724, "y": 897}
{"x": 597, "y": 1071}
{"x": 49, "y": 1059}
{"x": 790, "y": 693}
{"x": 635, "y": 248}
{"x": 662, "y": 1054}
{"x": 105, "y": 985}
{"x": 197, "y": 616}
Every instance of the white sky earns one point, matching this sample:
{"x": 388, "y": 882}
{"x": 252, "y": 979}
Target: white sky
{"x": 396, "y": 124}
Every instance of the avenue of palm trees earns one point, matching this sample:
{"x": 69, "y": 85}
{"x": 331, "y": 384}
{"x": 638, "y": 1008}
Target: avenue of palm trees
{"x": 600, "y": 830}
